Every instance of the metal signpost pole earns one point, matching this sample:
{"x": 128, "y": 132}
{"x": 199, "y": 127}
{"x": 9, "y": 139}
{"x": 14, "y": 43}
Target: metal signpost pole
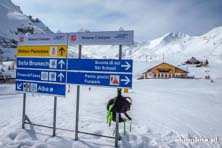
{"x": 54, "y": 116}
{"x": 117, "y": 136}
{"x": 117, "y": 130}
{"x": 77, "y": 101}
{"x": 23, "y": 110}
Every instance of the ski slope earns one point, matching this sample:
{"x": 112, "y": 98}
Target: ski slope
{"x": 162, "y": 111}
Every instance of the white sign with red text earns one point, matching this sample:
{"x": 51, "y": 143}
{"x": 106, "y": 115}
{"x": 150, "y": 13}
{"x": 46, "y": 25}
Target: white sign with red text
{"x": 43, "y": 39}
{"x": 101, "y": 38}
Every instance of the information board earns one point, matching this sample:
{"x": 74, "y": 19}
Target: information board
{"x": 41, "y": 64}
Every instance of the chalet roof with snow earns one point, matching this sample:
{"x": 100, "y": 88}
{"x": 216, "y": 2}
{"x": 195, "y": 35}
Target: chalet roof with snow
{"x": 185, "y": 71}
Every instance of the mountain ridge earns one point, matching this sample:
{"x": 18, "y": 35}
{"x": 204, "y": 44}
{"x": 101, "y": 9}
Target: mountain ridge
{"x": 14, "y": 22}
{"x": 172, "y": 44}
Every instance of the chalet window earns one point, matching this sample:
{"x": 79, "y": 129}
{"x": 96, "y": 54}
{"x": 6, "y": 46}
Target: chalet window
{"x": 163, "y": 69}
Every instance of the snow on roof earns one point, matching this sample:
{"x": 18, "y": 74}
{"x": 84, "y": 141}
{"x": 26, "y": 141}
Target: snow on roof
{"x": 156, "y": 63}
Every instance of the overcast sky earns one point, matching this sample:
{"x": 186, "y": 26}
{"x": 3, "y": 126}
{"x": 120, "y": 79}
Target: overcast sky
{"x": 148, "y": 18}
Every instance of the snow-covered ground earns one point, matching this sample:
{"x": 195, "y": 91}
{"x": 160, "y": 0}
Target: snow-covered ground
{"x": 163, "y": 111}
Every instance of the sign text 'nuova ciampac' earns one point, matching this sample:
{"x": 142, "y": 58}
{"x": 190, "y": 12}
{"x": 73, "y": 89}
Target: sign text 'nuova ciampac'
{"x": 101, "y": 38}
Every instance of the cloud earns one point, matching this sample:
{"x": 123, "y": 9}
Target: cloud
{"x": 149, "y": 18}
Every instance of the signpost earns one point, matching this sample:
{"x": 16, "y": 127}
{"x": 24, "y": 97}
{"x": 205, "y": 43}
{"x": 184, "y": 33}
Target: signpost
{"x": 102, "y": 72}
{"x": 101, "y": 38}
{"x": 105, "y": 65}
{"x": 41, "y": 67}
{"x": 38, "y": 87}
{"x": 42, "y": 51}
{"x": 43, "y": 39}
{"x": 41, "y": 64}
{"x": 100, "y": 79}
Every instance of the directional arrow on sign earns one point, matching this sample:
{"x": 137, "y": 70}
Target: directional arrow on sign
{"x": 127, "y": 66}
{"x": 19, "y": 86}
{"x": 61, "y": 50}
{"x": 61, "y": 62}
{"x": 60, "y": 76}
{"x": 126, "y": 80}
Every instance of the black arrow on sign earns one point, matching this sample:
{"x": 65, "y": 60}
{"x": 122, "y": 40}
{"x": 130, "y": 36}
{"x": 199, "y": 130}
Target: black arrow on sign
{"x": 61, "y": 50}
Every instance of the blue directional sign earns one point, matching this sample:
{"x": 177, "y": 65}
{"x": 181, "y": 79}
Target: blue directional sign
{"x": 44, "y": 88}
{"x": 108, "y": 65}
{"x": 41, "y": 63}
{"x": 41, "y": 75}
{"x": 100, "y": 79}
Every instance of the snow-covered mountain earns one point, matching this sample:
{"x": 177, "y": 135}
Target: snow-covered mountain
{"x": 182, "y": 46}
{"x": 14, "y": 22}
{"x": 176, "y": 45}
{"x": 172, "y": 45}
